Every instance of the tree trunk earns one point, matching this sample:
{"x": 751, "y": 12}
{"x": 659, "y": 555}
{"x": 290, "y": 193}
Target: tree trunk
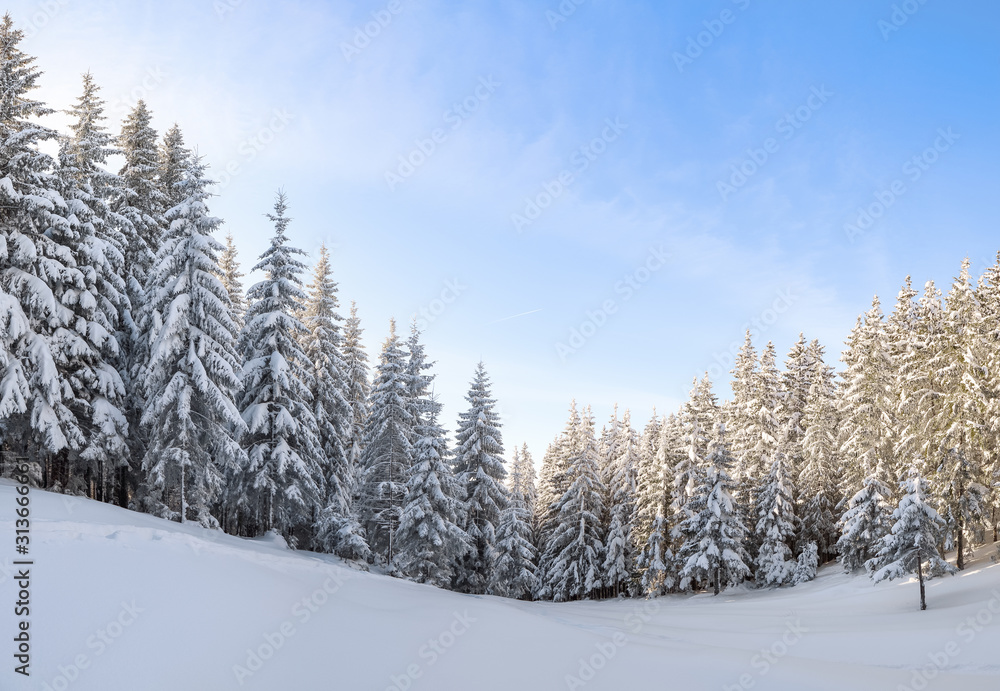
{"x": 960, "y": 560}
{"x": 920, "y": 577}
{"x": 993, "y": 512}
{"x": 123, "y": 487}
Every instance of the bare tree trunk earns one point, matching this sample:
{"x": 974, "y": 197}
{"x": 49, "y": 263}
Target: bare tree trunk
{"x": 960, "y": 560}
{"x": 920, "y": 577}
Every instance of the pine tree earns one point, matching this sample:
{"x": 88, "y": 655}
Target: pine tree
{"x": 621, "y": 481}
{"x": 699, "y": 417}
{"x": 193, "y": 372}
{"x": 172, "y": 162}
{"x": 576, "y": 547}
{"x": 521, "y": 479}
{"x": 775, "y": 530}
{"x": 281, "y": 486}
{"x": 429, "y": 538}
{"x": 338, "y": 530}
{"x": 358, "y": 386}
{"x": 741, "y": 417}
{"x": 960, "y": 419}
{"x": 388, "y": 452}
{"x": 231, "y": 277}
{"x": 656, "y": 563}
{"x": 866, "y": 439}
{"x": 514, "y": 574}
{"x": 553, "y": 481}
{"x": 988, "y": 295}
{"x": 712, "y": 550}
{"x": 866, "y": 521}
{"x": 86, "y": 349}
{"x": 479, "y": 467}
{"x": 661, "y": 450}
{"x": 866, "y": 405}
{"x": 139, "y": 201}
{"x": 817, "y": 480}
{"x": 30, "y": 261}
{"x": 795, "y": 385}
{"x": 914, "y": 538}
{"x": 653, "y": 481}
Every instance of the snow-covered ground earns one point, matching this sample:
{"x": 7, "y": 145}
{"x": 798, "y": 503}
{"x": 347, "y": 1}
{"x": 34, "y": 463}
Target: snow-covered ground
{"x": 121, "y": 601}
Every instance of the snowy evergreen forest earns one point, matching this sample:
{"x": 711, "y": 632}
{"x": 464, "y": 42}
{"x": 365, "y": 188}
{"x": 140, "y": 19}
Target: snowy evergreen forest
{"x": 137, "y": 370}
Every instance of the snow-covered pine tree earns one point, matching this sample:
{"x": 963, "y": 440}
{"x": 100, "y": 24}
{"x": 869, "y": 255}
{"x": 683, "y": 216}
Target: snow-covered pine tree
{"x": 903, "y": 342}
{"x": 700, "y": 419}
{"x": 621, "y": 480}
{"x": 866, "y": 405}
{"x": 171, "y": 165}
{"x": 140, "y": 201}
{"x": 86, "y": 349}
{"x": 764, "y": 438}
{"x": 429, "y": 541}
{"x": 515, "y": 572}
{"x": 30, "y": 261}
{"x": 232, "y": 279}
{"x": 740, "y": 423}
{"x": 818, "y": 478}
{"x": 655, "y": 518}
{"x": 988, "y": 294}
{"x": 281, "y": 486}
{"x": 338, "y": 530}
{"x": 775, "y": 563}
{"x": 522, "y": 477}
{"x": 960, "y": 418}
{"x": 388, "y": 452}
{"x": 867, "y": 520}
{"x": 795, "y": 384}
{"x": 553, "y": 481}
{"x": 577, "y": 544}
{"x": 480, "y": 468}
{"x": 358, "y": 386}
{"x": 713, "y": 534}
{"x": 652, "y": 476}
{"x": 193, "y": 372}
{"x": 914, "y": 539}
{"x": 866, "y": 439}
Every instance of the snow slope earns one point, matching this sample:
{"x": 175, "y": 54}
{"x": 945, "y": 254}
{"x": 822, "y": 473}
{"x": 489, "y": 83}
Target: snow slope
{"x": 125, "y": 602}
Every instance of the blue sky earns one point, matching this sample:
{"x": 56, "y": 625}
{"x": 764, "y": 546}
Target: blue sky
{"x": 651, "y": 245}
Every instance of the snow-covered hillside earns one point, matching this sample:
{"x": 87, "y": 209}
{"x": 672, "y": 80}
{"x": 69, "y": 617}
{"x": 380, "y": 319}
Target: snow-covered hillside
{"x": 122, "y": 601}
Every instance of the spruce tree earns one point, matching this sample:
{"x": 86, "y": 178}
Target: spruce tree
{"x": 621, "y": 480}
{"x": 914, "y": 538}
{"x": 281, "y": 487}
{"x": 515, "y": 572}
{"x": 479, "y": 467}
{"x": 713, "y": 534}
{"x": 86, "y": 349}
{"x": 140, "y": 202}
{"x": 388, "y": 451}
{"x": 576, "y": 547}
{"x": 817, "y": 480}
{"x": 192, "y": 376}
{"x": 961, "y": 417}
{"x": 338, "y": 530}
{"x": 775, "y": 565}
{"x": 866, "y": 521}
{"x": 30, "y": 261}
{"x": 429, "y": 540}
{"x": 232, "y": 279}
{"x": 358, "y": 388}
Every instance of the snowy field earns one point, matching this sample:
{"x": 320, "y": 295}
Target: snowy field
{"x": 123, "y": 601}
